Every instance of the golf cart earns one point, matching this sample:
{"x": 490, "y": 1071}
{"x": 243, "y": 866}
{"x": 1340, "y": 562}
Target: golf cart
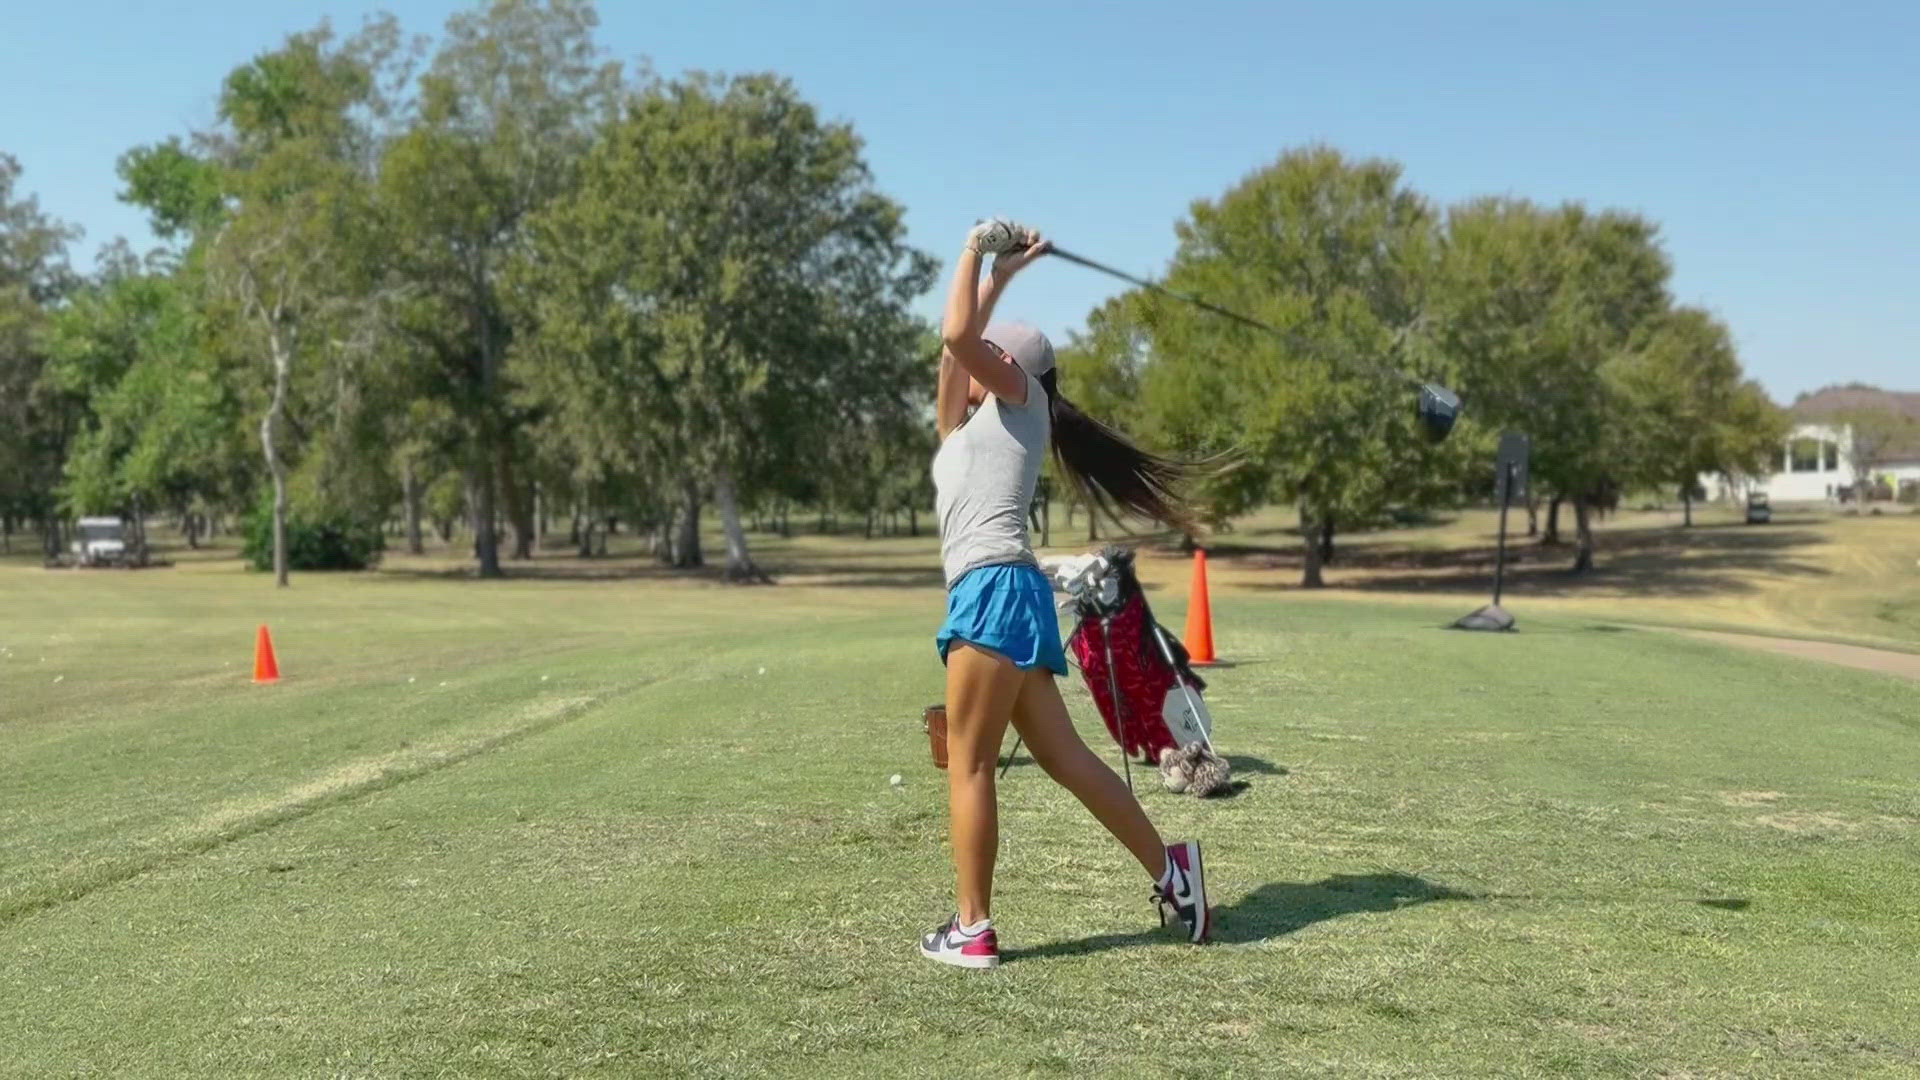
{"x": 100, "y": 541}
{"x": 1759, "y": 512}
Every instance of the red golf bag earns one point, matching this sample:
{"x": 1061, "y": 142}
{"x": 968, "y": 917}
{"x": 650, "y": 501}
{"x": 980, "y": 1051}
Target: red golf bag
{"x": 1139, "y": 674}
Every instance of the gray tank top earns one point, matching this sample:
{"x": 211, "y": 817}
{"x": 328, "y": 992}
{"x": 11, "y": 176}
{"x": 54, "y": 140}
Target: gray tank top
{"x": 984, "y": 477}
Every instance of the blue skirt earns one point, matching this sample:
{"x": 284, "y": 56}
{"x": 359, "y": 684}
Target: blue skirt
{"x": 1007, "y": 609}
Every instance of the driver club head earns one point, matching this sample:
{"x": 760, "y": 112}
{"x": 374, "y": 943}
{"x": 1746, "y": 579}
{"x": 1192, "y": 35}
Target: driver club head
{"x": 1438, "y": 408}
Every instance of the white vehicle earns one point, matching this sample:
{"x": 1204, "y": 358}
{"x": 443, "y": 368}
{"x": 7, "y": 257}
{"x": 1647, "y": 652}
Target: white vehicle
{"x": 101, "y": 541}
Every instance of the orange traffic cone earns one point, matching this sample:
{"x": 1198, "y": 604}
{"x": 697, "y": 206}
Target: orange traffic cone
{"x": 1199, "y": 637}
{"x": 265, "y": 668}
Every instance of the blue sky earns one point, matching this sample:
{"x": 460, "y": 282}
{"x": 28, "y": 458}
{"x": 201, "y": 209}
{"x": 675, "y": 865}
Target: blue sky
{"x": 1777, "y": 144}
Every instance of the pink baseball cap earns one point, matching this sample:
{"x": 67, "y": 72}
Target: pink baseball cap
{"x": 1025, "y": 344}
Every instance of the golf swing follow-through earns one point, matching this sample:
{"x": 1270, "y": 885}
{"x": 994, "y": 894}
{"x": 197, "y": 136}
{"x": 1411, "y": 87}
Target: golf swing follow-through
{"x": 998, "y": 410}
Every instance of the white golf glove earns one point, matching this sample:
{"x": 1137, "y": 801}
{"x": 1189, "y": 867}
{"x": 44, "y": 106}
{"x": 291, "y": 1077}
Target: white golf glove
{"x": 996, "y": 236}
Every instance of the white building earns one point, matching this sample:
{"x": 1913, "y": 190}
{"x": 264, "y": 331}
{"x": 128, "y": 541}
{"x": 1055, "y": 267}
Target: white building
{"x": 1816, "y": 463}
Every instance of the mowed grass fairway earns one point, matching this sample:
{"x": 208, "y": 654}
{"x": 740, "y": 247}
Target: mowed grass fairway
{"x": 638, "y": 827}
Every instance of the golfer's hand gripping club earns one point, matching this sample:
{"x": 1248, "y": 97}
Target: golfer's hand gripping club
{"x": 997, "y": 236}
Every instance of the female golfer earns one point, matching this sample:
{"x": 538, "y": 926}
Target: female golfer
{"x": 1001, "y": 639}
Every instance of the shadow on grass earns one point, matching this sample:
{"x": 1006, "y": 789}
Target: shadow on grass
{"x": 1247, "y": 763}
{"x": 1278, "y": 909}
{"x": 1703, "y": 560}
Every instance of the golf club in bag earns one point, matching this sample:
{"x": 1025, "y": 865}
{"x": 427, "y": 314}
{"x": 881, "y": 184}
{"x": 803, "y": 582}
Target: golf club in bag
{"x": 1148, "y": 693}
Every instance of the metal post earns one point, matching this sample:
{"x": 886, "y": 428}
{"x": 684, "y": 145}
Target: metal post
{"x": 1500, "y": 561}
{"x": 1113, "y": 688}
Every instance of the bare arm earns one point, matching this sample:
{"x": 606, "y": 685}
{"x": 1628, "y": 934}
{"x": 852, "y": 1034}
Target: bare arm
{"x": 969, "y": 304}
{"x": 950, "y": 399}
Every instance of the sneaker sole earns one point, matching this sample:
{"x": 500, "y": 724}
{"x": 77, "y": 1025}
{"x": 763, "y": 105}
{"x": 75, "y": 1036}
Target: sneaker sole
{"x": 1203, "y": 913}
{"x": 958, "y": 960}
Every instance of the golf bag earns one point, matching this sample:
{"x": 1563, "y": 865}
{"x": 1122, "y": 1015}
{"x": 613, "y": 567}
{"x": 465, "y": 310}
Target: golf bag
{"x": 1139, "y": 674}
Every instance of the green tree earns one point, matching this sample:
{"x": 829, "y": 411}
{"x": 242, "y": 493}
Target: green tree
{"x": 1339, "y": 254}
{"x": 1531, "y": 305}
{"x": 722, "y": 294}
{"x": 160, "y": 421}
{"x": 508, "y": 106}
{"x": 36, "y": 422}
{"x": 1687, "y": 409}
{"x": 274, "y": 212}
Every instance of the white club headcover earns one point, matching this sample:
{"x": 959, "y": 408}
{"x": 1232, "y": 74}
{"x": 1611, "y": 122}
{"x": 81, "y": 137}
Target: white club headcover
{"x": 1077, "y": 574}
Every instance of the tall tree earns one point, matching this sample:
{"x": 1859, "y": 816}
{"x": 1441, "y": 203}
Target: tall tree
{"x": 161, "y": 423}
{"x": 1532, "y": 304}
{"x": 508, "y": 106}
{"x": 1338, "y": 254}
{"x": 273, "y": 209}
{"x": 1687, "y": 409}
{"x": 35, "y": 423}
{"x": 301, "y": 215}
{"x": 723, "y": 291}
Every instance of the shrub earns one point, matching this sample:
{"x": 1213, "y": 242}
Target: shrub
{"x": 317, "y": 539}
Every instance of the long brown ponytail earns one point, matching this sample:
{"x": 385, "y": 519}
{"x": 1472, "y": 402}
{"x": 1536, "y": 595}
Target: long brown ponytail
{"x": 1112, "y": 473}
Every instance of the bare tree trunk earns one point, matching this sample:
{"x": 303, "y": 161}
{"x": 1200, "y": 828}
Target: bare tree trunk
{"x": 410, "y": 494}
{"x": 1583, "y": 559}
{"x": 1552, "y": 535}
{"x": 269, "y": 444}
{"x": 913, "y": 522}
{"x": 1326, "y": 540}
{"x": 869, "y": 522}
{"x": 686, "y": 549}
{"x": 486, "y": 540}
{"x": 663, "y": 537}
{"x": 519, "y": 508}
{"x": 739, "y": 564}
{"x": 1533, "y": 517}
{"x": 139, "y": 550}
{"x": 1310, "y": 577}
{"x": 1686, "y": 503}
{"x": 539, "y": 517}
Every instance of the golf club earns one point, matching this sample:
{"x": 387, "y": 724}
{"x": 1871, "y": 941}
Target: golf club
{"x": 1437, "y": 407}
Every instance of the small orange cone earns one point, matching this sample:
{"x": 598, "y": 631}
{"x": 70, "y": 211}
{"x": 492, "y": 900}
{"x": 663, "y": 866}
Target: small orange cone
{"x": 1199, "y": 637}
{"x": 265, "y": 668}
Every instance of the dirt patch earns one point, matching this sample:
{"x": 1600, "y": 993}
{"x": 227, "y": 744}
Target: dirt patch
{"x": 1803, "y": 823}
{"x": 1602, "y": 1033}
{"x": 1750, "y": 798}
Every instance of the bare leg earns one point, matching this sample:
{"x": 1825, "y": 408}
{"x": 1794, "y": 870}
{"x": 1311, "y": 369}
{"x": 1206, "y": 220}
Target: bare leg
{"x": 981, "y": 687}
{"x": 1040, "y": 715}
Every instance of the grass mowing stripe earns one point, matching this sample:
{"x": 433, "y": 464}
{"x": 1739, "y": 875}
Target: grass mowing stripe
{"x": 237, "y": 819}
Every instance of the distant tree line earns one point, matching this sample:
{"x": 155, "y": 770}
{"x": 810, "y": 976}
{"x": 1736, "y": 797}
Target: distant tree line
{"x": 502, "y": 283}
